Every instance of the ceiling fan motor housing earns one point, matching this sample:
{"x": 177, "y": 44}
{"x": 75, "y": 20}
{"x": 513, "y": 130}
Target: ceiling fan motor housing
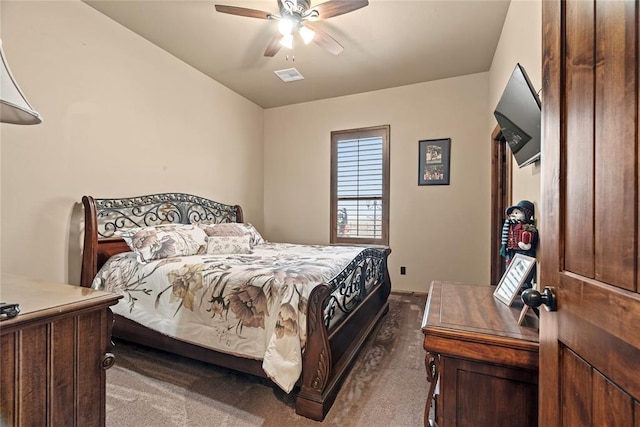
{"x": 291, "y": 7}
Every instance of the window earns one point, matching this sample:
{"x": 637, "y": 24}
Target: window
{"x": 360, "y": 186}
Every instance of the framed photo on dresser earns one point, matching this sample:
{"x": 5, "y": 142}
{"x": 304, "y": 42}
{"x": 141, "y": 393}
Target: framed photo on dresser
{"x": 518, "y": 274}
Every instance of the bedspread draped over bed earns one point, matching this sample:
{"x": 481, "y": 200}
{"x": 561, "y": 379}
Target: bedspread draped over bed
{"x": 252, "y": 305}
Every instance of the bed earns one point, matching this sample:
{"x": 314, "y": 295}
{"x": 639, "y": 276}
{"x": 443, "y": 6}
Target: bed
{"x": 296, "y": 314}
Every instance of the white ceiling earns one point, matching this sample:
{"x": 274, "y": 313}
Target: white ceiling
{"x": 388, "y": 43}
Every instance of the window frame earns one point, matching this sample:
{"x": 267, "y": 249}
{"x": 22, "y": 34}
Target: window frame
{"x": 384, "y": 132}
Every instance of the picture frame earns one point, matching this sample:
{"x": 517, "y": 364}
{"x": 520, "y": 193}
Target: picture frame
{"x": 520, "y": 272}
{"x": 434, "y": 160}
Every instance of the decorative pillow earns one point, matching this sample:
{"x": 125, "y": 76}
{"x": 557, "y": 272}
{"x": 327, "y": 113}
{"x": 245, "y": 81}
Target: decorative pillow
{"x": 223, "y": 245}
{"x": 234, "y": 229}
{"x": 165, "y": 241}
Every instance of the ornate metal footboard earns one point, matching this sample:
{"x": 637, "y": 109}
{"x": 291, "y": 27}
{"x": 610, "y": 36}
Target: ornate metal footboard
{"x": 354, "y": 283}
{"x": 338, "y": 324}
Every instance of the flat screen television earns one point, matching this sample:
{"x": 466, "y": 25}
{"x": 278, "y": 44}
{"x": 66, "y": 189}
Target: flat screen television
{"x": 519, "y": 114}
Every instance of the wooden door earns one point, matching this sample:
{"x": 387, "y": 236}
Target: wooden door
{"x": 590, "y": 347}
{"x": 501, "y": 162}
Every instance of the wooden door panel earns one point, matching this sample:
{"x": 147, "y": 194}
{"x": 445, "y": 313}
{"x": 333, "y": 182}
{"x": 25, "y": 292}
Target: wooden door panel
{"x": 610, "y": 350}
{"x": 611, "y": 406}
{"x": 615, "y": 143}
{"x": 575, "y": 412}
{"x": 580, "y": 39}
{"x": 550, "y": 411}
{"x": 589, "y": 223}
{"x": 589, "y": 398}
{"x": 615, "y": 311}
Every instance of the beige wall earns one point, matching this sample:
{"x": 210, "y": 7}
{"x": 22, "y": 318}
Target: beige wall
{"x": 122, "y": 118}
{"x": 520, "y": 41}
{"x": 437, "y": 232}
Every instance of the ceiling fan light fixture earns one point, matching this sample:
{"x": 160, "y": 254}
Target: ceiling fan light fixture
{"x": 294, "y": 17}
{"x": 307, "y": 34}
{"x": 287, "y": 41}
{"x": 285, "y": 26}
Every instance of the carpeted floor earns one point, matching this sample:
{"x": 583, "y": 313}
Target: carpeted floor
{"x": 387, "y": 385}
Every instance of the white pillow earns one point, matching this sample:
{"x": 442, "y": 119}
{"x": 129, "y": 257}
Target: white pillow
{"x": 165, "y": 241}
{"x": 233, "y": 229}
{"x": 224, "y": 245}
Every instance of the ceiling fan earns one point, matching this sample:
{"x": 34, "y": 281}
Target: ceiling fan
{"x": 295, "y": 17}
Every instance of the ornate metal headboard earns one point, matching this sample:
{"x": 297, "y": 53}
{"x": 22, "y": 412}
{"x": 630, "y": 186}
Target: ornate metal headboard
{"x": 103, "y": 217}
{"x": 177, "y": 208}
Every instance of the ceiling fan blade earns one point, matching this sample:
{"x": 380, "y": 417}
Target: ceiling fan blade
{"x": 274, "y": 45}
{"x": 333, "y": 8}
{"x": 243, "y": 11}
{"x": 325, "y": 40}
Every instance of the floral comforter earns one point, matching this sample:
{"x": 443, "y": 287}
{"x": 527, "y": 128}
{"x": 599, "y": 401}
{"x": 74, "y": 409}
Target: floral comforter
{"x": 252, "y": 305}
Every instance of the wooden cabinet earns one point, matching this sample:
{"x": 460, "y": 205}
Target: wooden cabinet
{"x": 54, "y": 354}
{"x": 486, "y": 365}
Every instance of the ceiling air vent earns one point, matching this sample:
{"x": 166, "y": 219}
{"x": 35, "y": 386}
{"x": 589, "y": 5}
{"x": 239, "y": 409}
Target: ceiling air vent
{"x": 289, "y": 75}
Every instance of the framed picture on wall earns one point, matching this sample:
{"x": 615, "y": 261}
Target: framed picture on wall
{"x": 434, "y": 161}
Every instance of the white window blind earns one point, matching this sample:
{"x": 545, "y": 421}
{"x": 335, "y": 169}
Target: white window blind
{"x": 359, "y": 187}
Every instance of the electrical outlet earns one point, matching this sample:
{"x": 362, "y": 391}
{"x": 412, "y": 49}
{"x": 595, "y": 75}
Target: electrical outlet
{"x": 403, "y": 270}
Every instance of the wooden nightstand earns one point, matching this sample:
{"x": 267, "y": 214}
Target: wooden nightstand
{"x": 486, "y": 364}
{"x": 54, "y": 354}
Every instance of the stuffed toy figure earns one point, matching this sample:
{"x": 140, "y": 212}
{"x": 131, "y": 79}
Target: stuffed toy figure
{"x": 519, "y": 234}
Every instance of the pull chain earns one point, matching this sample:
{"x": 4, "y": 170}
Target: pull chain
{"x": 293, "y": 55}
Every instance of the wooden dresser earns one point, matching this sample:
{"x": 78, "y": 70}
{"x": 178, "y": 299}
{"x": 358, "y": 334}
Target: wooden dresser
{"x": 54, "y": 354}
{"x": 487, "y": 365}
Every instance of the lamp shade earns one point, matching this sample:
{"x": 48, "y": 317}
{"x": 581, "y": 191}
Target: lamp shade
{"x": 14, "y": 107}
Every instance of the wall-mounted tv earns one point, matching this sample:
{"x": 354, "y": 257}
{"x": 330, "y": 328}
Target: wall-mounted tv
{"x": 518, "y": 115}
